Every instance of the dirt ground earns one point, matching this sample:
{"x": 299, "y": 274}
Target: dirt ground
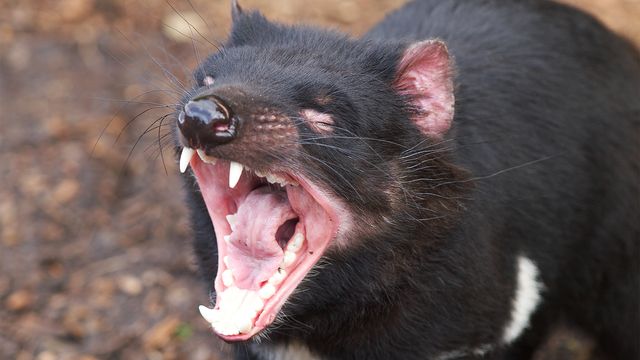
{"x": 95, "y": 261}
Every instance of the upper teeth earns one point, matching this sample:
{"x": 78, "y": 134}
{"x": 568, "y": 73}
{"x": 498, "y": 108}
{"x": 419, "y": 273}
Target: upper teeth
{"x": 185, "y": 158}
{"x": 235, "y": 168}
{"x": 235, "y": 171}
{"x": 206, "y": 158}
{"x": 187, "y": 154}
{"x": 273, "y": 179}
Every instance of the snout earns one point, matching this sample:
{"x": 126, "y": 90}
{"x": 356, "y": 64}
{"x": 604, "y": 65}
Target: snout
{"x": 207, "y": 122}
{"x": 232, "y": 124}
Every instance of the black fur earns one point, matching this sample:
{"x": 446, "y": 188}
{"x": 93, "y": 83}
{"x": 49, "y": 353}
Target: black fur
{"x": 542, "y": 161}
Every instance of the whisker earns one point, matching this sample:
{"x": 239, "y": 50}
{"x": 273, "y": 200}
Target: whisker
{"x": 147, "y": 130}
{"x": 529, "y": 163}
{"x": 120, "y": 109}
{"x": 216, "y": 46}
{"x": 171, "y": 80}
{"x": 135, "y": 118}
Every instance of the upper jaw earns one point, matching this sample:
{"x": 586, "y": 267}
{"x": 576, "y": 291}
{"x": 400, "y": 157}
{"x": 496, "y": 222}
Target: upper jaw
{"x": 245, "y": 307}
{"x": 236, "y": 169}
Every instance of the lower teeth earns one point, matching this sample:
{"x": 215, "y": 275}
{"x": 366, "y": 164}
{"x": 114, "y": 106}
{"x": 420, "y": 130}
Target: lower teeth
{"x": 239, "y": 307}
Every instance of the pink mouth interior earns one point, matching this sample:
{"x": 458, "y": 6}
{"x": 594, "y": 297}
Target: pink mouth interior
{"x": 265, "y": 218}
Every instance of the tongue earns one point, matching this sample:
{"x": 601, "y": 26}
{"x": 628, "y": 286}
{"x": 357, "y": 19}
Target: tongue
{"x": 254, "y": 253}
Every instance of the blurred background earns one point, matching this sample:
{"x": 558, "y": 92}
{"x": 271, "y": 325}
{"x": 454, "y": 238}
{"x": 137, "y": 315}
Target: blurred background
{"x": 95, "y": 257}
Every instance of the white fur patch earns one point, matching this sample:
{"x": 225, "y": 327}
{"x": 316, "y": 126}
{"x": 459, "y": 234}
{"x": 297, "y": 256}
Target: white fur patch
{"x": 526, "y": 299}
{"x": 456, "y": 354}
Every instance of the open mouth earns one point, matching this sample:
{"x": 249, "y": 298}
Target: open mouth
{"x": 271, "y": 229}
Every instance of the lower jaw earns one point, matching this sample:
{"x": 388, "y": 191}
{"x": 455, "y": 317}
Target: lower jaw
{"x": 307, "y": 257}
{"x": 295, "y": 273}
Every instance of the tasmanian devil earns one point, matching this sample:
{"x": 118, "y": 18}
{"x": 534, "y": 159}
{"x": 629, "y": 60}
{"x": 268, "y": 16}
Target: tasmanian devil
{"x": 451, "y": 185}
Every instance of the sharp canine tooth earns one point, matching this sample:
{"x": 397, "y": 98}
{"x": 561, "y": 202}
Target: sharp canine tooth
{"x": 227, "y": 278}
{"x": 227, "y": 238}
{"x": 296, "y": 243}
{"x": 185, "y": 158}
{"x": 267, "y": 291}
{"x": 226, "y": 260}
{"x": 235, "y": 171}
{"x": 210, "y": 315}
{"x": 289, "y": 258}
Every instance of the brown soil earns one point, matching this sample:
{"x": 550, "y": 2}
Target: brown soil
{"x": 94, "y": 242}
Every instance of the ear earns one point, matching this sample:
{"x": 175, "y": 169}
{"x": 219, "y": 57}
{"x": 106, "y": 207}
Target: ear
{"x": 425, "y": 76}
{"x": 248, "y": 27}
{"x": 236, "y": 10}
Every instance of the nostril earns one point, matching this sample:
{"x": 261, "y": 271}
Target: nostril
{"x": 206, "y": 111}
{"x": 207, "y": 121}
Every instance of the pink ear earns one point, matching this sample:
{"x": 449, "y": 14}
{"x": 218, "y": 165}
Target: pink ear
{"x": 425, "y": 75}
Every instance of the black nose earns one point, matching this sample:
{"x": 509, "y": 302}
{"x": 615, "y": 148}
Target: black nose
{"x": 207, "y": 121}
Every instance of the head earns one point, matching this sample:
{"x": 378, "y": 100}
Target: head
{"x": 316, "y": 158}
